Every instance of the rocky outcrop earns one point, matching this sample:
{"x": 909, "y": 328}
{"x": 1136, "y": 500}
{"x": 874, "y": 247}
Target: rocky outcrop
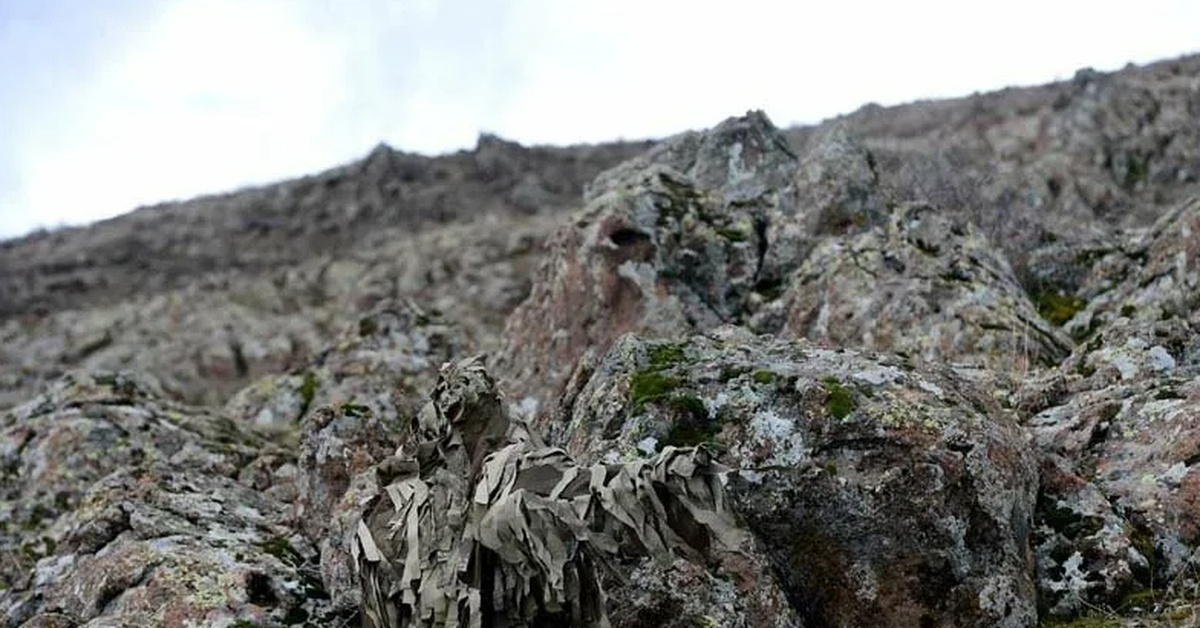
{"x": 696, "y": 233}
{"x": 384, "y": 362}
{"x": 1118, "y": 512}
{"x": 121, "y": 508}
{"x": 810, "y": 249}
{"x": 1046, "y": 172}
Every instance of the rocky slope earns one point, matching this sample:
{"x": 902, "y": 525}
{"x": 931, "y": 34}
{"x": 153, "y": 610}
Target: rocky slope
{"x": 947, "y": 350}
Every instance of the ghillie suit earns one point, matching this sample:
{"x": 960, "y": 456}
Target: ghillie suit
{"x": 481, "y": 524}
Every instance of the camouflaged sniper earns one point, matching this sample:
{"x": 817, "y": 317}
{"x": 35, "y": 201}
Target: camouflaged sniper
{"x": 480, "y": 524}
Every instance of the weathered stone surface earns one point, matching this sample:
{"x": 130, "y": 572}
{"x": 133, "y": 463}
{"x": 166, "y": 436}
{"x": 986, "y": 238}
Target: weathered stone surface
{"x": 1154, "y": 277}
{"x": 808, "y": 248}
{"x": 384, "y": 362}
{"x": 1121, "y": 434}
{"x": 740, "y": 159}
{"x": 837, "y": 187}
{"x": 881, "y": 494}
{"x": 157, "y": 546}
{"x": 1045, "y": 170}
{"x": 120, "y": 508}
{"x": 923, "y": 284}
{"x": 339, "y": 450}
{"x": 1117, "y": 427}
{"x": 652, "y": 254}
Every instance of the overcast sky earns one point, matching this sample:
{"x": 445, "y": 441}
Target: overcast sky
{"x": 105, "y": 106}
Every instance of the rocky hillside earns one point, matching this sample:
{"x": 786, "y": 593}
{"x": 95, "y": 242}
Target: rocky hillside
{"x": 947, "y": 351}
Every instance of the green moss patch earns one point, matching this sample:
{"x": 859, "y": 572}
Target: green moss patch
{"x": 731, "y": 234}
{"x": 729, "y": 372}
{"x": 839, "y": 400}
{"x": 691, "y": 423}
{"x": 1143, "y": 598}
{"x": 763, "y": 376}
{"x": 356, "y": 409}
{"x": 1056, "y": 307}
{"x": 650, "y": 386}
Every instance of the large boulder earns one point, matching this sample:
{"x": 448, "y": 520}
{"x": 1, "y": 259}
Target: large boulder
{"x": 703, "y": 230}
{"x": 881, "y": 493}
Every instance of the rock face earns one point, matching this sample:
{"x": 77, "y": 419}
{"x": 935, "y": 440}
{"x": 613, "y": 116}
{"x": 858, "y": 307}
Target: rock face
{"x": 881, "y": 494}
{"x": 948, "y": 353}
{"x": 1118, "y": 424}
{"x": 751, "y": 236}
{"x": 924, "y": 285}
{"x": 384, "y": 362}
{"x": 120, "y": 508}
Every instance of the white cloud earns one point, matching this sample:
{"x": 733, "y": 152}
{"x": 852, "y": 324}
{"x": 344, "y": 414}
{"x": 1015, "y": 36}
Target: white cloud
{"x": 205, "y": 95}
{"x": 211, "y": 94}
